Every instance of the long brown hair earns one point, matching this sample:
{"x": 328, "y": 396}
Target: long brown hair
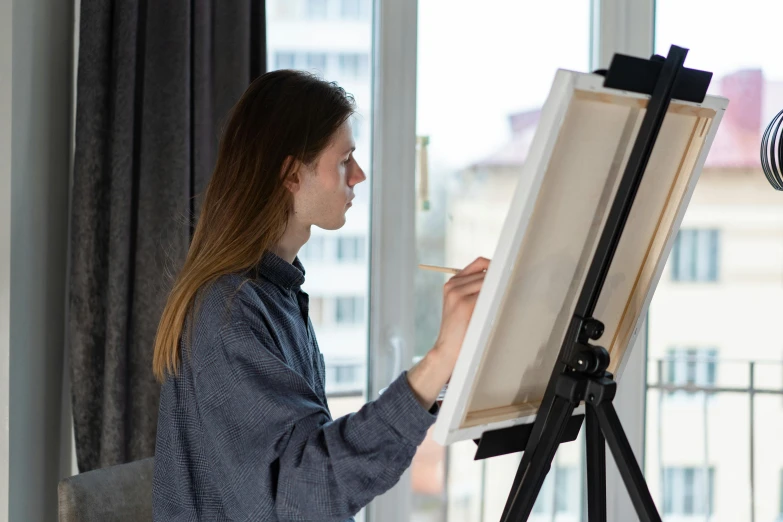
{"x": 282, "y": 114}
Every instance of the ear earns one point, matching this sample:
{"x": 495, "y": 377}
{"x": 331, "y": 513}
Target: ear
{"x": 290, "y": 173}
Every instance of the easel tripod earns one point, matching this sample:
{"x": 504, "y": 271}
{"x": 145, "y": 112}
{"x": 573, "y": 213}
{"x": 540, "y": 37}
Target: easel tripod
{"x": 580, "y": 373}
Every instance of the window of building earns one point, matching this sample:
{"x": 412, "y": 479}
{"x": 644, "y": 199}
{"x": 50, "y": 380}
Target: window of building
{"x": 351, "y": 9}
{"x": 353, "y": 65}
{"x": 567, "y": 490}
{"x": 694, "y": 255}
{"x": 344, "y": 376}
{"x": 317, "y": 9}
{"x": 688, "y": 491}
{"x": 560, "y": 493}
{"x": 349, "y": 310}
{"x": 350, "y": 248}
{"x": 313, "y": 250}
{"x": 285, "y": 60}
{"x": 316, "y": 62}
{"x": 691, "y": 367}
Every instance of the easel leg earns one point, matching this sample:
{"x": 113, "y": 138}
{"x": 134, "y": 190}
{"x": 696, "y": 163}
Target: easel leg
{"x": 626, "y": 463}
{"x": 596, "y": 468}
{"x": 526, "y": 490}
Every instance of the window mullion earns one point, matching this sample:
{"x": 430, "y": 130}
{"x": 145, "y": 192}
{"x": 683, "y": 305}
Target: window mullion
{"x": 627, "y": 27}
{"x": 393, "y": 238}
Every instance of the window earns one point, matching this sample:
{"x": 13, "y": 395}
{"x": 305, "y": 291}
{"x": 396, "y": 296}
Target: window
{"x": 567, "y": 494}
{"x": 695, "y": 255}
{"x": 313, "y": 250}
{"x": 316, "y": 62}
{"x": 353, "y": 65}
{"x": 317, "y": 9}
{"x": 349, "y": 310}
{"x": 344, "y": 376}
{"x": 688, "y": 491}
{"x": 285, "y": 60}
{"x": 560, "y": 493}
{"x": 691, "y": 367}
{"x": 351, "y": 9}
{"x": 350, "y": 249}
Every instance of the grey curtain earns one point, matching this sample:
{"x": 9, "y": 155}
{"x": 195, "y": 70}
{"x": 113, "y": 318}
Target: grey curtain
{"x": 155, "y": 81}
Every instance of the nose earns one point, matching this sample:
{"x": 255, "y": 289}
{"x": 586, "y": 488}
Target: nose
{"x": 357, "y": 175}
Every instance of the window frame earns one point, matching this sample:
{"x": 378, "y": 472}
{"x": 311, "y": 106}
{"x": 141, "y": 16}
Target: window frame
{"x": 392, "y": 216}
{"x": 624, "y": 26}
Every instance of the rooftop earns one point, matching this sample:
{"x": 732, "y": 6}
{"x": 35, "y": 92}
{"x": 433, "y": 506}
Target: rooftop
{"x": 753, "y": 102}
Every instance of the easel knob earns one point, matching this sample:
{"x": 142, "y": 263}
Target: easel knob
{"x": 593, "y": 329}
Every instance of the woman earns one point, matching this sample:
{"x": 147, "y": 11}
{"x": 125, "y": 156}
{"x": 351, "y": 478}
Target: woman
{"x": 244, "y": 430}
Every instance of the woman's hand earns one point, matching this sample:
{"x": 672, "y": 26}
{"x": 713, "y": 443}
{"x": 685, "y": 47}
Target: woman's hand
{"x": 459, "y": 299}
{"x": 460, "y": 293}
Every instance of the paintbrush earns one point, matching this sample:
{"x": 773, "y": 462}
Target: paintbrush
{"x": 443, "y": 269}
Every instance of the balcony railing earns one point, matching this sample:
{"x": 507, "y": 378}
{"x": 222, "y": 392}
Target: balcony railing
{"x": 697, "y": 383}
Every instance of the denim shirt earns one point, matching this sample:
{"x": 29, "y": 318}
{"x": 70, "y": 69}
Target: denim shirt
{"x": 244, "y": 429}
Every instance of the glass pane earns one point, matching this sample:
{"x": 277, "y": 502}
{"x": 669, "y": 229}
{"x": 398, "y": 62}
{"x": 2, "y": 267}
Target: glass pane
{"x": 336, "y": 261}
{"x": 484, "y": 71}
{"x": 720, "y": 295}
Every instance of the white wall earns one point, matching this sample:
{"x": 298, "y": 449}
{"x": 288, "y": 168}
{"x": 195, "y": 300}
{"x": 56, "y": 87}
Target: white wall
{"x": 36, "y": 137}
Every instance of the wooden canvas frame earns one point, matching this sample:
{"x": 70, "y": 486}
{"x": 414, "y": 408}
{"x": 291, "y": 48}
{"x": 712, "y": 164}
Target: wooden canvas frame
{"x": 568, "y": 182}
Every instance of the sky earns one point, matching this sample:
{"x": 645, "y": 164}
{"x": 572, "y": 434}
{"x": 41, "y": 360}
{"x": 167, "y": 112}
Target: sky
{"x": 479, "y": 62}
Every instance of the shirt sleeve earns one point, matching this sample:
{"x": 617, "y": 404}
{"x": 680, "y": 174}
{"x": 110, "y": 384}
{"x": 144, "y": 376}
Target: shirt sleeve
{"x": 267, "y": 433}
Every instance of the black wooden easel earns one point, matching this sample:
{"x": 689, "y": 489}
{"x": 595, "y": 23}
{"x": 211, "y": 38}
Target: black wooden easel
{"x": 580, "y": 372}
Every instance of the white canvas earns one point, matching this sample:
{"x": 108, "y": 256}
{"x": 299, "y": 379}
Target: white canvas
{"x": 568, "y": 182}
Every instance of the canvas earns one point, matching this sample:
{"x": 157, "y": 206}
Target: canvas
{"x": 562, "y": 199}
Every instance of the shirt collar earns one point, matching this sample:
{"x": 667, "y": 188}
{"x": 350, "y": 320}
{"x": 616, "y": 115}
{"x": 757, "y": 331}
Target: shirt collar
{"x": 281, "y": 272}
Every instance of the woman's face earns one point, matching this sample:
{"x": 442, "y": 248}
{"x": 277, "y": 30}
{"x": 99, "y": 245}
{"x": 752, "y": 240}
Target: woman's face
{"x": 325, "y": 189}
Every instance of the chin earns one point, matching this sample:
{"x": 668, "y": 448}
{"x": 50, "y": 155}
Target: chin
{"x": 335, "y": 224}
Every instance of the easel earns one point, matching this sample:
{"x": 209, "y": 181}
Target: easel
{"x": 580, "y": 372}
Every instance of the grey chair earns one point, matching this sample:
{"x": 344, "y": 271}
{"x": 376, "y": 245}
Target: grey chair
{"x": 114, "y": 494}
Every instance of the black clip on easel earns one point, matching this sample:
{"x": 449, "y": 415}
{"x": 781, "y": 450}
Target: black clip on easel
{"x": 580, "y": 372}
